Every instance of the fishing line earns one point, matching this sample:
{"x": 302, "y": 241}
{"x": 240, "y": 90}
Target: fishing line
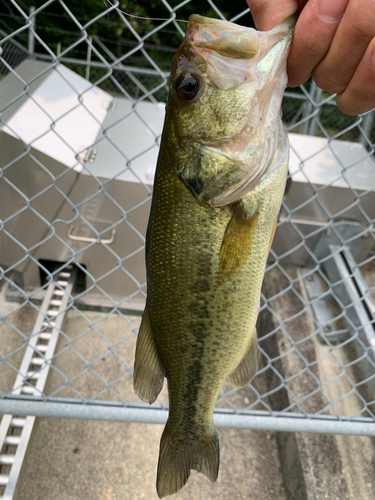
{"x": 140, "y": 17}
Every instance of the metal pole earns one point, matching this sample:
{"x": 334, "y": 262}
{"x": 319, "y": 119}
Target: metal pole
{"x": 314, "y": 120}
{"x": 367, "y": 124}
{"x": 58, "y": 49}
{"x": 308, "y": 109}
{"x": 88, "y": 59}
{"x": 295, "y": 423}
{"x": 31, "y": 41}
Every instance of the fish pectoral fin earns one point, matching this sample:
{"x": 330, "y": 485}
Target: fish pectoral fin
{"x": 237, "y": 243}
{"x": 177, "y": 456}
{"x": 149, "y": 372}
{"x": 248, "y": 366}
{"x": 273, "y": 233}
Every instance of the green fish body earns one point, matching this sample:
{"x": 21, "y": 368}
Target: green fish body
{"x": 218, "y": 188}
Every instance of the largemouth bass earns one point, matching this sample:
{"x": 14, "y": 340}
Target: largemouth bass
{"x": 218, "y": 188}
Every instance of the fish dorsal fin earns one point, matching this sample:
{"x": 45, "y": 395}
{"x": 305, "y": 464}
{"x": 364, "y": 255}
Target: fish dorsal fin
{"x": 237, "y": 243}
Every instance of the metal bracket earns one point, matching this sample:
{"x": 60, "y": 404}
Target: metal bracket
{"x": 112, "y": 105}
{"x": 87, "y": 239}
{"x": 88, "y": 155}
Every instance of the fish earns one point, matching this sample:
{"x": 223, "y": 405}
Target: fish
{"x": 218, "y": 188}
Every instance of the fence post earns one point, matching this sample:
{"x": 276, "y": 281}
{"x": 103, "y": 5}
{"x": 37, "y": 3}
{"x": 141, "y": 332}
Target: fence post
{"x": 31, "y": 41}
{"x": 367, "y": 124}
{"x": 314, "y": 120}
{"x": 88, "y": 58}
{"x": 308, "y": 109}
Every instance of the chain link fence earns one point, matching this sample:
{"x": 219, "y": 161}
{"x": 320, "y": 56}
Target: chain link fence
{"x": 81, "y": 118}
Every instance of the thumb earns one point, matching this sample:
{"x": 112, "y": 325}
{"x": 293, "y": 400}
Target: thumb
{"x": 268, "y": 13}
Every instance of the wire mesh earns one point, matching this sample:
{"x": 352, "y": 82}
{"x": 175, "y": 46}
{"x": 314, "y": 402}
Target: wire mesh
{"x": 61, "y": 210}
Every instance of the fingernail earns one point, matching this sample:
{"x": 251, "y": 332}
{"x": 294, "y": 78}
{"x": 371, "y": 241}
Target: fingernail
{"x": 332, "y": 10}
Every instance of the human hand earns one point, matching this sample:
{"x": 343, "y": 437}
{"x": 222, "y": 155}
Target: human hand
{"x": 334, "y": 41}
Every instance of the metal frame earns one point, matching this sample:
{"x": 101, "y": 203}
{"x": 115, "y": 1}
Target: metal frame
{"x": 261, "y": 421}
{"x": 32, "y": 376}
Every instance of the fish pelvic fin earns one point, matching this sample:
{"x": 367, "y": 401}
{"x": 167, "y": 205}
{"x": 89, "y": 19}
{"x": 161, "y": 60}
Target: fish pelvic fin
{"x": 178, "y": 456}
{"x": 248, "y": 366}
{"x": 149, "y": 372}
{"x": 237, "y": 243}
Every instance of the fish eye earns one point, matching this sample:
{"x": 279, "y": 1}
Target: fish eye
{"x": 187, "y": 86}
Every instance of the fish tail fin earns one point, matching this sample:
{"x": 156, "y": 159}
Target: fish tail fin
{"x": 178, "y": 456}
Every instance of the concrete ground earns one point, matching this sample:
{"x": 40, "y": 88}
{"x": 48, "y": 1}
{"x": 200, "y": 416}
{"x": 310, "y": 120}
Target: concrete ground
{"x": 79, "y": 460}
{"x": 334, "y": 467}
{"x": 76, "y": 460}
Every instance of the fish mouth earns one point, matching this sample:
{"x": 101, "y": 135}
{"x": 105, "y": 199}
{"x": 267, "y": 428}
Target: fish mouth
{"x": 232, "y": 53}
{"x": 225, "y": 38}
{"x": 233, "y": 40}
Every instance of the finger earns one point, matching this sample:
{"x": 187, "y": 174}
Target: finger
{"x": 313, "y": 35}
{"x": 268, "y": 13}
{"x": 359, "y": 96}
{"x": 355, "y": 32}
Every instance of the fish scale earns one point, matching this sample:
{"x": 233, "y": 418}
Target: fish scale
{"x": 206, "y": 260}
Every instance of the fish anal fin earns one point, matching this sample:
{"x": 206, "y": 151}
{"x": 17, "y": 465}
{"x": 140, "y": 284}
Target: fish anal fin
{"x": 149, "y": 372}
{"x": 178, "y": 456}
{"x": 237, "y": 243}
{"x": 248, "y": 366}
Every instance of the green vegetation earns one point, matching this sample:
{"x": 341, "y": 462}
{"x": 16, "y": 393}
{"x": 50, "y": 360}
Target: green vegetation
{"x": 60, "y": 29}
{"x": 56, "y": 25}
